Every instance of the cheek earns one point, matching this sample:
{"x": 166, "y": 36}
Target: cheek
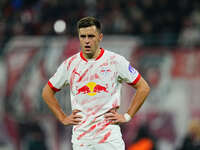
{"x": 81, "y": 42}
{"x": 96, "y": 42}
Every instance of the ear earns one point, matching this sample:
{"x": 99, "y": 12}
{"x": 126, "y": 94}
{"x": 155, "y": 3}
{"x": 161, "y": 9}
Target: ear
{"x": 100, "y": 36}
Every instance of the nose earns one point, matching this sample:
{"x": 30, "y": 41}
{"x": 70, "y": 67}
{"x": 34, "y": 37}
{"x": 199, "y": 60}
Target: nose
{"x": 87, "y": 40}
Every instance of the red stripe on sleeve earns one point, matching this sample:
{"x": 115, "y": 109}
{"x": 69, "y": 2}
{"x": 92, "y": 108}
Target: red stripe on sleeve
{"x": 136, "y": 80}
{"x": 52, "y": 87}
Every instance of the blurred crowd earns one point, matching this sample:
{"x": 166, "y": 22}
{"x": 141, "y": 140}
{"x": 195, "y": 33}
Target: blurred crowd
{"x": 153, "y": 20}
{"x": 156, "y": 22}
{"x": 192, "y": 139}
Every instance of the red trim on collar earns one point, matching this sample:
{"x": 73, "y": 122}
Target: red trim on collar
{"x": 81, "y": 54}
{"x": 100, "y": 55}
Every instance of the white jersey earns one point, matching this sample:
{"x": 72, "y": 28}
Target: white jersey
{"x": 95, "y": 89}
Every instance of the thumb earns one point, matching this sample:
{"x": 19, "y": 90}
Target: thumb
{"x": 113, "y": 111}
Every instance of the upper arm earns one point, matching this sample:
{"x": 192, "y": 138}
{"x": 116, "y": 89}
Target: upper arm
{"x": 142, "y": 84}
{"x": 59, "y": 79}
{"x": 126, "y": 72}
{"x": 47, "y": 91}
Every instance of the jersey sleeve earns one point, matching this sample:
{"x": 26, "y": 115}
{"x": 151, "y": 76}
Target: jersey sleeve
{"x": 126, "y": 72}
{"x": 59, "y": 79}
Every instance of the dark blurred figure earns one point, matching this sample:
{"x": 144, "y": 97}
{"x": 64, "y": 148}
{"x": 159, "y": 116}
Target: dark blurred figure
{"x": 34, "y": 137}
{"x": 144, "y": 139}
{"x": 192, "y": 139}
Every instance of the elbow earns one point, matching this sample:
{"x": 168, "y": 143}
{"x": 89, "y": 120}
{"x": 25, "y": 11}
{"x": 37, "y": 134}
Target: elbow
{"x": 43, "y": 93}
{"x": 146, "y": 90}
{"x": 47, "y": 92}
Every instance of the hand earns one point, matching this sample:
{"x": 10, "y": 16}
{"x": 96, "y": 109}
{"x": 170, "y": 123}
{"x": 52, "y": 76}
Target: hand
{"x": 115, "y": 117}
{"x": 72, "y": 119}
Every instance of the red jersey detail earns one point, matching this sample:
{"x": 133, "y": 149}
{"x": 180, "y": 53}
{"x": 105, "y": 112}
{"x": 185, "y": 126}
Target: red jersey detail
{"x": 84, "y": 121}
{"x": 83, "y": 75}
{"x": 70, "y": 61}
{"x": 136, "y": 80}
{"x": 100, "y": 55}
{"x": 73, "y": 76}
{"x": 81, "y": 54}
{"x": 105, "y": 137}
{"x": 88, "y": 131}
{"x": 52, "y": 87}
{"x": 98, "y": 88}
{"x": 83, "y": 90}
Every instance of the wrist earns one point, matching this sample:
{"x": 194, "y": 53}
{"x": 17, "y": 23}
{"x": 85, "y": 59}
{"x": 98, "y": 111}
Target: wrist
{"x": 62, "y": 118}
{"x": 127, "y": 117}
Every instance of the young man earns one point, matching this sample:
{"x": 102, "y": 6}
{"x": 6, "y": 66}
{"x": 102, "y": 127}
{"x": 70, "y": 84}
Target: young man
{"x": 94, "y": 76}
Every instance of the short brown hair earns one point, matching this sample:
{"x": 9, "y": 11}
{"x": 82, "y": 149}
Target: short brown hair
{"x": 87, "y": 22}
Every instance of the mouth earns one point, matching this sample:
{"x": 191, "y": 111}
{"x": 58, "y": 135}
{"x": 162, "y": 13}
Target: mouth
{"x": 87, "y": 48}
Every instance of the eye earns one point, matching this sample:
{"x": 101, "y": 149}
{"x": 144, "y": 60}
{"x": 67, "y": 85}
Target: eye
{"x": 82, "y": 36}
{"x": 91, "y": 35}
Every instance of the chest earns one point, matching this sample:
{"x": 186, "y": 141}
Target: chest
{"x": 92, "y": 71}
{"x": 93, "y": 77}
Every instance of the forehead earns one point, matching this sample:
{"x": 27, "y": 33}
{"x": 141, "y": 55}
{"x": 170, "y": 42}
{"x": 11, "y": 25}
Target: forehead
{"x": 88, "y": 30}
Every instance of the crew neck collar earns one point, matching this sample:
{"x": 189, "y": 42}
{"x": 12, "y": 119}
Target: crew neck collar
{"x": 98, "y": 57}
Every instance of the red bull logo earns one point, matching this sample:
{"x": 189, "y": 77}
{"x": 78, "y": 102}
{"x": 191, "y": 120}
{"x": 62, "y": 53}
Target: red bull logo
{"x": 92, "y": 89}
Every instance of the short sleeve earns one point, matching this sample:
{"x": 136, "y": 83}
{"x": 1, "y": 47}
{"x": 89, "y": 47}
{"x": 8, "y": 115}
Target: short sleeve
{"x": 59, "y": 79}
{"x": 126, "y": 72}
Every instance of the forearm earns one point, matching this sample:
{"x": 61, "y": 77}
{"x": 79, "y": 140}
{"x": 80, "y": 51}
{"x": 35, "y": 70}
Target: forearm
{"x": 56, "y": 109}
{"x": 137, "y": 101}
{"x": 139, "y": 98}
{"x": 52, "y": 102}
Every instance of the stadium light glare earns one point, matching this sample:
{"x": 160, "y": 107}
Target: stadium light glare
{"x": 59, "y": 26}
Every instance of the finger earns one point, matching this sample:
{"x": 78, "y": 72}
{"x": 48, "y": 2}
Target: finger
{"x": 75, "y": 111}
{"x": 108, "y": 115}
{"x": 111, "y": 118}
{"x": 78, "y": 116}
{"x": 113, "y": 110}
{"x": 114, "y": 122}
{"x": 77, "y": 121}
{"x": 74, "y": 121}
{"x": 69, "y": 122}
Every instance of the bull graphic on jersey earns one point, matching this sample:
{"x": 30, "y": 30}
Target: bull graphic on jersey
{"x": 91, "y": 88}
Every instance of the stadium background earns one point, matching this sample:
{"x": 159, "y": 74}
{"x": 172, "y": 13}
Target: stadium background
{"x": 161, "y": 38}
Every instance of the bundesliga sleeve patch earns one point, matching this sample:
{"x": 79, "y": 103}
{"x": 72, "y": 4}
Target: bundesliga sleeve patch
{"x": 131, "y": 69}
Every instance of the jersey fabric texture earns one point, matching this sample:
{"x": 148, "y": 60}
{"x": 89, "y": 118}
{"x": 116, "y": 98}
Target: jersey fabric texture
{"x": 95, "y": 89}
{"x": 111, "y": 145}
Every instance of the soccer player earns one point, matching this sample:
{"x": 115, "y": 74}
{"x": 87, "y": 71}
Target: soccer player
{"x": 95, "y": 76}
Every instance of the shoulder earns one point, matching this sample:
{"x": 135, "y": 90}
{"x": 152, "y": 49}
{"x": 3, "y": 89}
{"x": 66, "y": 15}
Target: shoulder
{"x": 67, "y": 63}
{"x": 72, "y": 58}
{"x": 113, "y": 55}
{"x": 114, "y": 58}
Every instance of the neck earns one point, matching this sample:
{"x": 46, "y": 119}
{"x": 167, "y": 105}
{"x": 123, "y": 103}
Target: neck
{"x": 90, "y": 56}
